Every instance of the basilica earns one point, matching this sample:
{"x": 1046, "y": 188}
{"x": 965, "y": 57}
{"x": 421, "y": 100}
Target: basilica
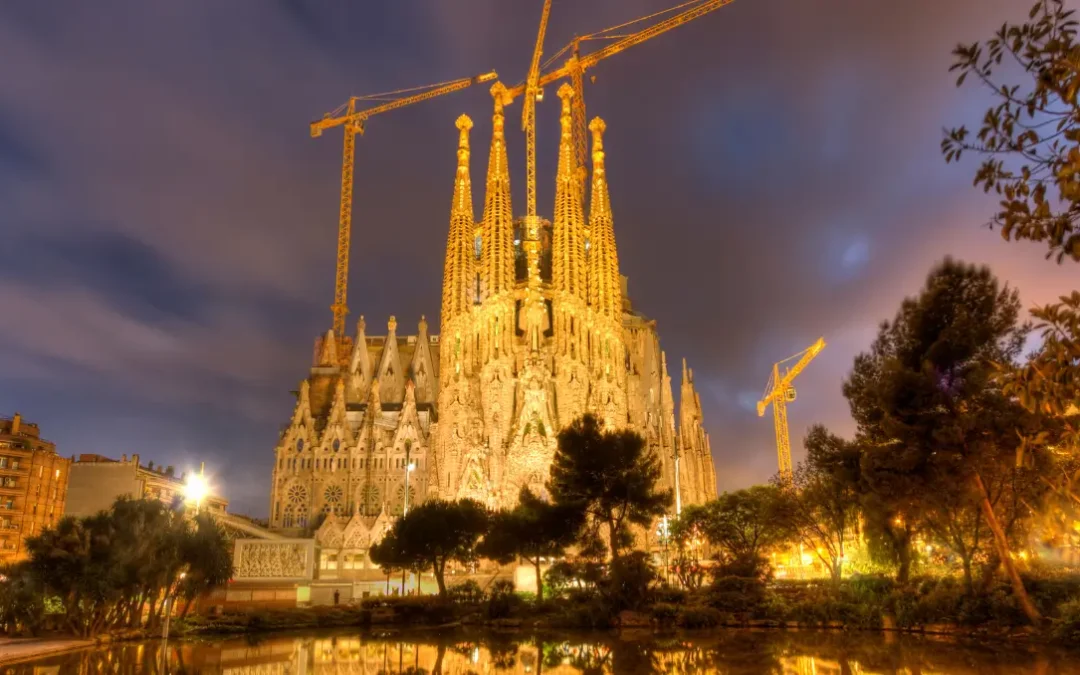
{"x": 536, "y": 329}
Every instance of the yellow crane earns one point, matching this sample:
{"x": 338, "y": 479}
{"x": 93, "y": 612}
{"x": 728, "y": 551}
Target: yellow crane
{"x": 354, "y": 120}
{"x": 575, "y": 67}
{"x": 779, "y": 392}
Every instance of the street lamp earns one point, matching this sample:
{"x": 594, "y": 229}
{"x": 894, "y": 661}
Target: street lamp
{"x": 676, "y": 457}
{"x": 408, "y": 470}
{"x": 196, "y": 489}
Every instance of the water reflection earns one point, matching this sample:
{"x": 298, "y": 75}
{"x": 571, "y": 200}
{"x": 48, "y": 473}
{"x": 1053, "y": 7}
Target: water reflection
{"x": 462, "y": 653}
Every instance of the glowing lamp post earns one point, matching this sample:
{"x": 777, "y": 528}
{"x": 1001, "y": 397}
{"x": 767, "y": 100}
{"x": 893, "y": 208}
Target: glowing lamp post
{"x": 196, "y": 489}
{"x": 408, "y": 470}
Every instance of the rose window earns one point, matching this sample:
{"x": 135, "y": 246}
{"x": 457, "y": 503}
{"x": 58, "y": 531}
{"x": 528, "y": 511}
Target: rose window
{"x": 297, "y": 494}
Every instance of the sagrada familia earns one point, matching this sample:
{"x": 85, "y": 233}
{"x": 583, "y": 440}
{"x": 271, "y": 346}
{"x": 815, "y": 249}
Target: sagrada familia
{"x": 536, "y": 329}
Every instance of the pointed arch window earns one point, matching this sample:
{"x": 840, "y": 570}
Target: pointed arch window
{"x": 337, "y": 444}
{"x": 299, "y": 444}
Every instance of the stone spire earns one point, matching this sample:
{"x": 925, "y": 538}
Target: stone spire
{"x": 458, "y": 271}
{"x": 568, "y": 226}
{"x": 497, "y": 254}
{"x": 605, "y": 284}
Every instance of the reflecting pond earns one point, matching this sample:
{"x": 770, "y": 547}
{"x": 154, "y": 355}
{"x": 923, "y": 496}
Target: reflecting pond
{"x": 480, "y": 653}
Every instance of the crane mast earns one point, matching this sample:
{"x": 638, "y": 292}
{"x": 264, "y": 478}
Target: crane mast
{"x": 528, "y": 111}
{"x": 353, "y": 121}
{"x": 777, "y": 392}
{"x": 575, "y": 67}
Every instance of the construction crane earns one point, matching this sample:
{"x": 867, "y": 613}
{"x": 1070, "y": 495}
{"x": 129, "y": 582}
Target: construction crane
{"x": 575, "y": 67}
{"x": 779, "y": 392}
{"x": 354, "y": 120}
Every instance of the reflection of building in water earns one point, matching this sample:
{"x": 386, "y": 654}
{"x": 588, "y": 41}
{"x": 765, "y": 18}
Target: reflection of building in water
{"x": 810, "y": 665}
{"x": 311, "y": 656}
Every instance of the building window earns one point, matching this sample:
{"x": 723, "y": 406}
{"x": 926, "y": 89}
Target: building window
{"x": 337, "y": 445}
{"x": 299, "y": 444}
{"x": 3, "y": 462}
{"x": 56, "y": 475}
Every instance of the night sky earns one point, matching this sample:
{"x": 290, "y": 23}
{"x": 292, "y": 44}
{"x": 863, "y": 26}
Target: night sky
{"x": 168, "y": 226}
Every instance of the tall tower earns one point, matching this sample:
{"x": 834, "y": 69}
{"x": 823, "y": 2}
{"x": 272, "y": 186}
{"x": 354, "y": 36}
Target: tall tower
{"x": 494, "y": 316}
{"x": 607, "y": 344}
{"x": 569, "y": 290}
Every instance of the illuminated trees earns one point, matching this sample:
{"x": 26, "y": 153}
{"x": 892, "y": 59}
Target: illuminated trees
{"x": 533, "y": 530}
{"x": 823, "y": 508}
{"x": 936, "y": 430}
{"x": 431, "y": 535}
{"x": 611, "y": 477}
{"x": 1030, "y": 144}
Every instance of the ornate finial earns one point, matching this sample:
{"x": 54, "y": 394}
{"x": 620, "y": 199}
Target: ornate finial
{"x": 597, "y": 127}
{"x": 566, "y": 93}
{"x": 684, "y": 376}
{"x": 464, "y": 123}
{"x": 499, "y": 93}
{"x": 423, "y": 325}
{"x": 361, "y": 325}
{"x": 391, "y": 325}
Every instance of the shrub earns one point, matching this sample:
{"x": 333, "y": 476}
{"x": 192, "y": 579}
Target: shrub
{"x": 1067, "y": 626}
{"x": 466, "y": 593}
{"x": 736, "y": 594}
{"x": 664, "y": 613}
{"x": 628, "y": 584}
{"x": 694, "y": 616}
{"x": 668, "y": 594}
{"x": 501, "y": 599}
{"x": 745, "y": 566}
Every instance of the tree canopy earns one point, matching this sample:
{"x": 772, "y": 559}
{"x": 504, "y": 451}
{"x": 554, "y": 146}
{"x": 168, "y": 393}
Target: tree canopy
{"x": 939, "y": 437}
{"x": 611, "y": 477}
{"x": 431, "y": 535}
{"x": 533, "y": 530}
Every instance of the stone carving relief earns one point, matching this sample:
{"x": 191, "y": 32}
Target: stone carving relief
{"x": 273, "y": 560}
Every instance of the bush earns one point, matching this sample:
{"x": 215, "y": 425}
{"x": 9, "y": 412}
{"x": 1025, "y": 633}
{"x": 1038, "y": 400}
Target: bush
{"x": 668, "y": 594}
{"x": 628, "y": 584}
{"x": 1067, "y": 626}
{"x": 664, "y": 613}
{"x": 466, "y": 593}
{"x": 695, "y": 616}
{"x": 736, "y": 594}
{"x": 593, "y": 613}
{"x": 501, "y": 599}
{"x": 744, "y": 566}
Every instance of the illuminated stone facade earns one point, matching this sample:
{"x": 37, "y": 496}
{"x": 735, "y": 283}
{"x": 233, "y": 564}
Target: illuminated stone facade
{"x": 536, "y": 329}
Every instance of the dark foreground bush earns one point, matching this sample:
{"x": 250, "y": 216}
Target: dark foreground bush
{"x": 694, "y": 616}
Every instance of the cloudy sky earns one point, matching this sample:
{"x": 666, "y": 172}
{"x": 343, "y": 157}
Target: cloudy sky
{"x": 168, "y": 225}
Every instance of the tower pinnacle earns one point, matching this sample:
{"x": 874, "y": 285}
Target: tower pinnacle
{"x": 458, "y": 268}
{"x": 497, "y": 253}
{"x": 605, "y": 284}
{"x": 568, "y": 245}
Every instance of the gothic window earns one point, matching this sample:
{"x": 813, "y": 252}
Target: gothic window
{"x": 477, "y": 246}
{"x": 369, "y": 500}
{"x": 333, "y": 499}
{"x": 337, "y": 445}
{"x": 297, "y": 496}
{"x": 399, "y": 501}
{"x": 299, "y": 444}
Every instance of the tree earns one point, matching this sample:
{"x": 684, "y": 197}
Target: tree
{"x": 823, "y": 508}
{"x": 611, "y": 477}
{"x": 431, "y": 535}
{"x": 205, "y": 552}
{"x": 933, "y": 424}
{"x": 1030, "y": 142}
{"x": 744, "y": 524}
{"x": 687, "y": 531}
{"x": 107, "y": 568}
{"x": 1031, "y": 137}
{"x": 533, "y": 530}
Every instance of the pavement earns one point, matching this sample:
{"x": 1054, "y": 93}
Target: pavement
{"x": 22, "y": 649}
